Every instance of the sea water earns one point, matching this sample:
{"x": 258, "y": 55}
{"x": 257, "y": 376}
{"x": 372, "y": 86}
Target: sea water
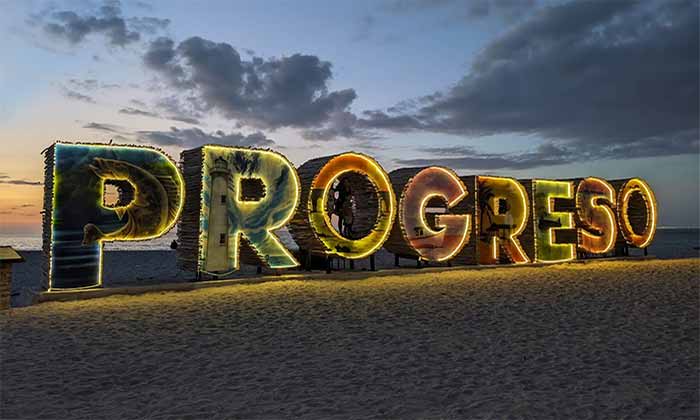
{"x": 668, "y": 242}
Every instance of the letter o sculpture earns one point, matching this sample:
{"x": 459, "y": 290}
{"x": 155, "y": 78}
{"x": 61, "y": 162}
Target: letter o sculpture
{"x": 636, "y": 212}
{"x": 374, "y": 205}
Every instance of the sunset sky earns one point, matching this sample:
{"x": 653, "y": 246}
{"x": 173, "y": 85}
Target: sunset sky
{"x": 523, "y": 88}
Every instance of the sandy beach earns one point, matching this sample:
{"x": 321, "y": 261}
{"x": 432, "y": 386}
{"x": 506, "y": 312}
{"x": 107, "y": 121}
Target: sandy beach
{"x": 597, "y": 340}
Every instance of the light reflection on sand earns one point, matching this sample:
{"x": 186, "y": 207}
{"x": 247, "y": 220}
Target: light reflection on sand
{"x": 606, "y": 339}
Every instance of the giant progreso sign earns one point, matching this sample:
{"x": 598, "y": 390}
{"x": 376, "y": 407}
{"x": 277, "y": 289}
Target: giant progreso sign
{"x": 229, "y": 201}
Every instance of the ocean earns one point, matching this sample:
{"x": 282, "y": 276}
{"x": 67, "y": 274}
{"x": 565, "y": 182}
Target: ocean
{"x": 668, "y": 243}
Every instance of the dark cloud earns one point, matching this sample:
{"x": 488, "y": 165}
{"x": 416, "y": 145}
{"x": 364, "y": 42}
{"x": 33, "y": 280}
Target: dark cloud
{"x": 7, "y": 179}
{"x": 107, "y": 20}
{"x": 195, "y": 137}
{"x": 465, "y": 157}
{"x": 341, "y": 124}
{"x": 174, "y": 111}
{"x": 111, "y": 128}
{"x": 610, "y": 79}
{"x": 265, "y": 93}
{"x": 161, "y": 57}
{"x": 459, "y": 10}
{"x": 68, "y": 93}
{"x": 395, "y": 122}
{"x": 148, "y": 25}
{"x": 184, "y": 119}
{"x": 19, "y": 182}
{"x": 180, "y": 110}
{"x": 135, "y": 111}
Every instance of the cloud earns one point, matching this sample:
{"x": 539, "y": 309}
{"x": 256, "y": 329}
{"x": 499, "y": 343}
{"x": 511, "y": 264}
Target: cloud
{"x": 68, "y": 93}
{"x": 148, "y": 25}
{"x": 21, "y": 206}
{"x": 91, "y": 84}
{"x": 161, "y": 57}
{"x": 508, "y": 10}
{"x": 341, "y": 124}
{"x": 143, "y": 5}
{"x": 108, "y": 21}
{"x": 264, "y": 93}
{"x": 381, "y": 120}
{"x": 187, "y": 120}
{"x": 195, "y": 137}
{"x": 16, "y": 210}
{"x": 607, "y": 79}
{"x": 111, "y": 128}
{"x": 19, "y": 182}
{"x": 465, "y": 157}
{"x": 135, "y": 111}
{"x": 179, "y": 110}
{"x": 84, "y": 84}
{"x": 461, "y": 11}
{"x": 171, "y": 106}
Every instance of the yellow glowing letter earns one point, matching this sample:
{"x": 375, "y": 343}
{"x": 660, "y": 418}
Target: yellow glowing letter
{"x": 149, "y": 201}
{"x": 547, "y": 221}
{"x": 246, "y": 195}
{"x": 502, "y": 215}
{"x": 356, "y": 190}
{"x": 595, "y": 198}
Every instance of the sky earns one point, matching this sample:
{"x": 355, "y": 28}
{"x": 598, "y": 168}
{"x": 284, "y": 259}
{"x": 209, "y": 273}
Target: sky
{"x": 523, "y": 88}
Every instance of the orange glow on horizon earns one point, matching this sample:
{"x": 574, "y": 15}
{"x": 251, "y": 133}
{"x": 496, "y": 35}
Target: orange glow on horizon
{"x": 20, "y": 208}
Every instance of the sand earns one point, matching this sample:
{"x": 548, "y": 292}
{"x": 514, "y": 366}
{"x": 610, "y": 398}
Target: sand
{"x": 598, "y": 340}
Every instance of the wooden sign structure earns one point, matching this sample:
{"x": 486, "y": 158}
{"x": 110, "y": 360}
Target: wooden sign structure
{"x": 228, "y": 203}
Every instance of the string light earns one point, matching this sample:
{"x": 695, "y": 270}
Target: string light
{"x": 546, "y": 250}
{"x": 519, "y": 212}
{"x": 320, "y": 222}
{"x": 268, "y": 161}
{"x": 171, "y": 221}
{"x": 428, "y": 183}
{"x": 597, "y": 196}
{"x": 637, "y": 185}
{"x": 595, "y": 220}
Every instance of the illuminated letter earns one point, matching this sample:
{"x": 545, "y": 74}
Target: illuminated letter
{"x": 355, "y": 189}
{"x": 502, "y": 215}
{"x": 413, "y": 234}
{"x": 547, "y": 221}
{"x": 246, "y": 195}
{"x": 594, "y": 199}
{"x": 150, "y": 199}
{"x": 636, "y": 212}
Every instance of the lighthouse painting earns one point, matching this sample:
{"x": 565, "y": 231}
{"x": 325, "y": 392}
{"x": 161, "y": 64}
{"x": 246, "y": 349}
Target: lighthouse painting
{"x": 217, "y": 246}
